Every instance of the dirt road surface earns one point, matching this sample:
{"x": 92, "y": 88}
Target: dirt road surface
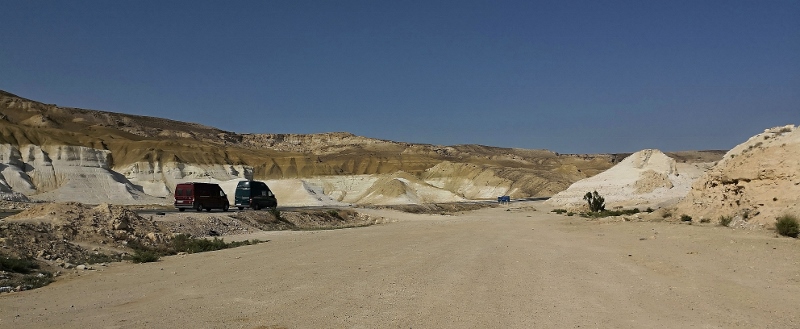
{"x": 506, "y": 267}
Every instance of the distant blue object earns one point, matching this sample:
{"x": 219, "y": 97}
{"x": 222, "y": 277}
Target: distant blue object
{"x": 504, "y": 199}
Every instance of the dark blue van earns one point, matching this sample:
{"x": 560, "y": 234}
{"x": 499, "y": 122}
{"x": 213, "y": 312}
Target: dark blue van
{"x": 254, "y": 194}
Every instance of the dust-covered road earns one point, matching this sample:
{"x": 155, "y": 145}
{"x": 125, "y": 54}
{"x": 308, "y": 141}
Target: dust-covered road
{"x": 507, "y": 267}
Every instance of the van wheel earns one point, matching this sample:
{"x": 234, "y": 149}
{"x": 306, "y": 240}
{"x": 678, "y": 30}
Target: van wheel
{"x": 226, "y": 207}
{"x": 256, "y": 206}
{"x": 208, "y": 209}
{"x": 181, "y": 209}
{"x": 241, "y": 208}
{"x": 199, "y": 207}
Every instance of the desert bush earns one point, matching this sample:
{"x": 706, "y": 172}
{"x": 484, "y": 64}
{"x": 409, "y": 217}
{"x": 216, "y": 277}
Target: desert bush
{"x": 686, "y": 218}
{"x": 570, "y": 213}
{"x": 559, "y": 211}
{"x": 596, "y": 202}
{"x": 17, "y": 265}
{"x": 609, "y": 213}
{"x": 277, "y": 213}
{"x": 787, "y": 225}
{"x": 666, "y": 214}
{"x": 185, "y": 243}
{"x": 144, "y": 256}
{"x": 22, "y": 272}
{"x": 36, "y": 281}
{"x": 649, "y": 210}
{"x": 101, "y": 258}
{"x": 725, "y": 220}
{"x": 180, "y": 243}
{"x": 705, "y": 220}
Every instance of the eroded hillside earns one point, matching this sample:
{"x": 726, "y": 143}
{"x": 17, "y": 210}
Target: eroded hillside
{"x": 58, "y": 153}
{"x": 755, "y": 183}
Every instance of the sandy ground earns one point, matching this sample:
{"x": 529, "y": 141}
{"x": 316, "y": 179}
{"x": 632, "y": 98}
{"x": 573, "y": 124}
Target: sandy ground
{"x": 492, "y": 268}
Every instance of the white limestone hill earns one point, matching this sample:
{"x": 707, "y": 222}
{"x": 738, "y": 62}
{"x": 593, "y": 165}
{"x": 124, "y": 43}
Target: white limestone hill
{"x": 648, "y": 178}
{"x": 402, "y": 188}
{"x": 64, "y": 173}
{"x": 297, "y": 192}
{"x": 386, "y": 189}
{"x": 754, "y": 183}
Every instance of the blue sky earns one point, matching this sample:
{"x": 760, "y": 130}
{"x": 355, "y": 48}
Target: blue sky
{"x": 569, "y": 76}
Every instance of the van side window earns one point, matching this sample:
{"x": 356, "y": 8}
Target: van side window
{"x": 263, "y": 193}
{"x": 269, "y": 193}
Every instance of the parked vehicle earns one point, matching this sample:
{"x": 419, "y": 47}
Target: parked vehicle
{"x": 254, "y": 194}
{"x": 200, "y": 196}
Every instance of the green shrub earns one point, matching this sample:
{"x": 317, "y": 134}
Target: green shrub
{"x": 596, "y": 202}
{"x": 725, "y": 220}
{"x": 649, "y": 210}
{"x": 185, "y": 243}
{"x": 570, "y": 213}
{"x": 609, "y": 213}
{"x": 787, "y": 225}
{"x": 101, "y": 258}
{"x": 181, "y": 243}
{"x": 559, "y": 211}
{"x": 36, "y": 281}
{"x": 686, "y": 218}
{"x": 144, "y": 256}
{"x": 17, "y": 265}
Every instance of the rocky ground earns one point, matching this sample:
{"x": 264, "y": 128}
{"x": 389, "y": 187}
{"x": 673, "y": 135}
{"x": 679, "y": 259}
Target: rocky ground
{"x": 510, "y": 266}
{"x": 61, "y": 237}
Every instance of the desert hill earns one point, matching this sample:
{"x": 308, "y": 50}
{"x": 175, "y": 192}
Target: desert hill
{"x": 648, "y": 178}
{"x": 753, "y": 184}
{"x": 59, "y": 153}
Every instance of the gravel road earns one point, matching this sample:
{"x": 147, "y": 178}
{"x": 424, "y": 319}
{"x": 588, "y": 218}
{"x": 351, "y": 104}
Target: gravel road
{"x": 505, "y": 267}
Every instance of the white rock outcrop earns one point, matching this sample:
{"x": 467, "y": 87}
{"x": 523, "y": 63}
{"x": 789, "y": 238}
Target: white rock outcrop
{"x": 754, "y": 183}
{"x": 648, "y": 178}
{"x": 65, "y": 173}
{"x": 159, "y": 178}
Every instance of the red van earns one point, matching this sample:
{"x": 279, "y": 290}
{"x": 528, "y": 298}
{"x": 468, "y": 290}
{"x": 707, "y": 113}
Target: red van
{"x": 200, "y": 196}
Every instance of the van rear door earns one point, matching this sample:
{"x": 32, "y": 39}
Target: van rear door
{"x": 184, "y": 195}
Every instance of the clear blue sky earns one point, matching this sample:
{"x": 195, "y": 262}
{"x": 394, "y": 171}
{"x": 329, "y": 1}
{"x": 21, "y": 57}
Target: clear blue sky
{"x": 569, "y": 76}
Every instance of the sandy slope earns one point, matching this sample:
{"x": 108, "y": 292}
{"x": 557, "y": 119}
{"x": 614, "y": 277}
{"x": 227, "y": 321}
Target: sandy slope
{"x": 648, "y": 178}
{"x": 499, "y": 267}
